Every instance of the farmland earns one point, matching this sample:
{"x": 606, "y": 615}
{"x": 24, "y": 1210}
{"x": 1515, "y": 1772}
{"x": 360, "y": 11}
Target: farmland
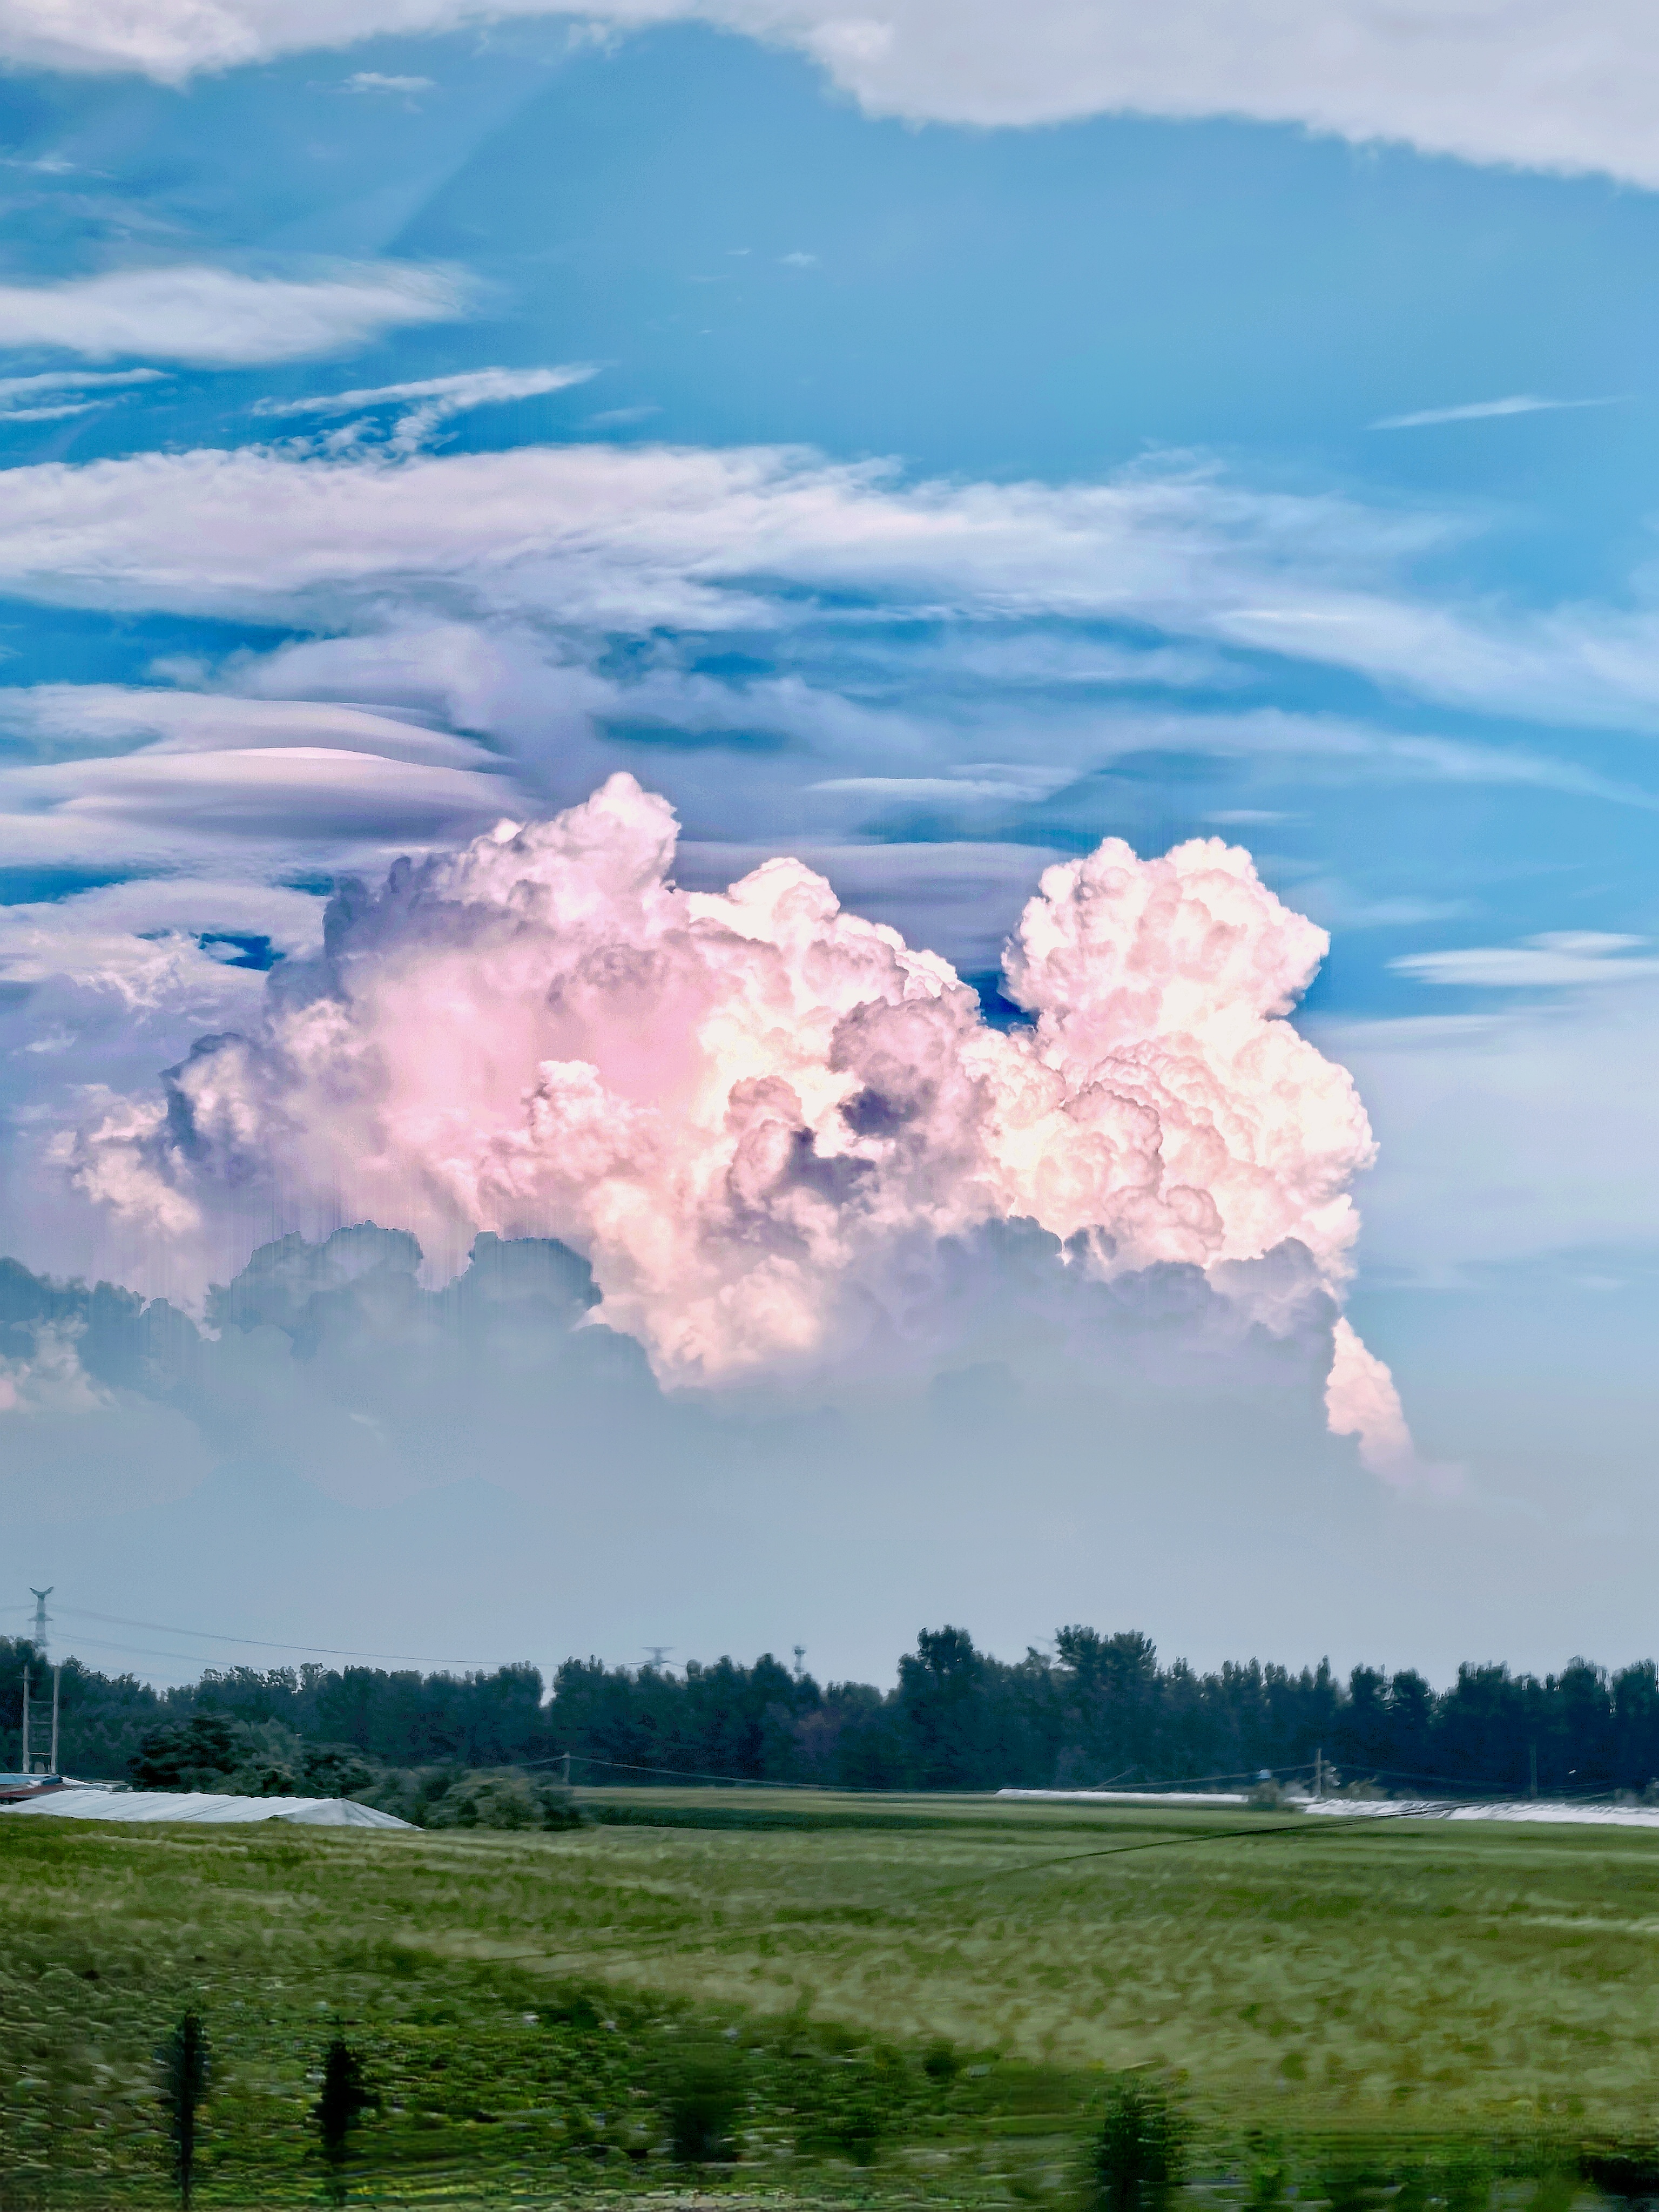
{"x": 913, "y": 1999}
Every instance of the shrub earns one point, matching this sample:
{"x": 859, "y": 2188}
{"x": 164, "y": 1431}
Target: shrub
{"x": 503, "y": 1801}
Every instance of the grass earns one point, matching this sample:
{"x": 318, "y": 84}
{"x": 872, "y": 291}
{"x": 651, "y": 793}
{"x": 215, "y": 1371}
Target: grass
{"x": 904, "y": 1999}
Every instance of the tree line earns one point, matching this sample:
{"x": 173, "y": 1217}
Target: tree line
{"x": 1097, "y": 1710}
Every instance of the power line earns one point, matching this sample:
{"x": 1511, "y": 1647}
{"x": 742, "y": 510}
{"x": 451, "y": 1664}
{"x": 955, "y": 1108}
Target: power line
{"x": 267, "y": 1642}
{"x": 725, "y": 1935}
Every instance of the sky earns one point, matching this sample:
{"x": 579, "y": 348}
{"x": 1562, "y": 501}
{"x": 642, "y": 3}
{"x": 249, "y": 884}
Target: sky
{"x": 930, "y": 447}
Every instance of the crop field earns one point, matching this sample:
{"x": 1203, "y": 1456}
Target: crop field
{"x": 888, "y": 2001}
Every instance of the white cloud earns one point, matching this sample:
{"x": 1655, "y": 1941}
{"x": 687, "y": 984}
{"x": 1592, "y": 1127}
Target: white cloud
{"x": 141, "y": 943}
{"x": 1485, "y": 410}
{"x": 36, "y": 398}
{"x": 1564, "y": 85}
{"x": 531, "y": 555}
{"x": 436, "y": 398}
{"x": 69, "y": 720}
{"x": 755, "y": 1114}
{"x": 1511, "y": 1135}
{"x": 201, "y": 781}
{"x": 963, "y": 894}
{"x": 635, "y": 537}
{"x": 216, "y": 318}
{"x": 1558, "y": 959}
{"x": 301, "y": 795}
{"x": 372, "y": 81}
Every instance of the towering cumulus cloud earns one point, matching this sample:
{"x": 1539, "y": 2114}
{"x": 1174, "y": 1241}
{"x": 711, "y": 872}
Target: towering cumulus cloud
{"x": 758, "y": 1116}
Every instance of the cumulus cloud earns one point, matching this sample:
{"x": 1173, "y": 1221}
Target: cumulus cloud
{"x": 1361, "y": 1401}
{"x": 216, "y": 318}
{"x": 758, "y": 1117}
{"x": 1534, "y": 84}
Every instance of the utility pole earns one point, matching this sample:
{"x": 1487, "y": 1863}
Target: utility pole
{"x": 55, "y": 1673}
{"x": 1319, "y": 1773}
{"x": 567, "y": 1769}
{"x": 26, "y": 1768}
{"x": 1531, "y": 1761}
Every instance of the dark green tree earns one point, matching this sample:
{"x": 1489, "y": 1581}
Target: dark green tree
{"x": 1140, "y": 2154}
{"x": 184, "y": 2062}
{"x": 702, "y": 2100}
{"x": 345, "y": 2094}
{"x": 191, "y": 1754}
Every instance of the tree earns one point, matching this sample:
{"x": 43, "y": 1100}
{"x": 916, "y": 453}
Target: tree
{"x": 1140, "y": 2154}
{"x": 944, "y": 1710}
{"x": 184, "y": 2062}
{"x": 191, "y": 1754}
{"x": 345, "y": 2094}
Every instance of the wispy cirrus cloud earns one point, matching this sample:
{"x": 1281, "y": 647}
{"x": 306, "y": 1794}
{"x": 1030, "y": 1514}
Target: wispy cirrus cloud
{"x": 1488, "y": 411}
{"x": 1556, "y": 959}
{"x": 429, "y": 401}
{"x": 372, "y": 81}
{"x": 597, "y": 539}
{"x": 220, "y": 318}
{"x": 59, "y": 392}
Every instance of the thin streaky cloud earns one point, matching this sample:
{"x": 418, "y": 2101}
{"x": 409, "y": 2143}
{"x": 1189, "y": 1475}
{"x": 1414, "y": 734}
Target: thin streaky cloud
{"x": 49, "y": 414}
{"x": 1486, "y": 410}
{"x": 219, "y": 317}
{"x": 76, "y": 380}
{"x": 470, "y": 388}
{"x": 431, "y": 400}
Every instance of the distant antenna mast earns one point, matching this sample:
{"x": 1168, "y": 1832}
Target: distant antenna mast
{"x": 659, "y": 1652}
{"x": 800, "y": 1653}
{"x": 41, "y": 1620}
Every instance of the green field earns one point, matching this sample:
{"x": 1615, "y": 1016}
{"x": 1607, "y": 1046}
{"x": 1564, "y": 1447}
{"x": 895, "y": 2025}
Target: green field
{"x": 924, "y": 1993}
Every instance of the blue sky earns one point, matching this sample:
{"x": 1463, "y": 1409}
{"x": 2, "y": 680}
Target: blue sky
{"x": 1160, "y": 474}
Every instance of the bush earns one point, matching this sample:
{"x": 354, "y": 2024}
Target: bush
{"x": 503, "y": 1801}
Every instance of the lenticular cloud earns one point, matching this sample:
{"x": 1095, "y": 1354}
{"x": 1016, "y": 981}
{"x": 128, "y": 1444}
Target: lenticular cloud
{"x": 751, "y": 1111}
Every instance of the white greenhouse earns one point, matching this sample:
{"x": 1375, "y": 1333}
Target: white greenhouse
{"x": 75, "y": 1803}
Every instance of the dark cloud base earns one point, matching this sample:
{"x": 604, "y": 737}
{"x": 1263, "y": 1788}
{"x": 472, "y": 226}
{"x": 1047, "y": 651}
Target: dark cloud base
{"x": 337, "y": 1455}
